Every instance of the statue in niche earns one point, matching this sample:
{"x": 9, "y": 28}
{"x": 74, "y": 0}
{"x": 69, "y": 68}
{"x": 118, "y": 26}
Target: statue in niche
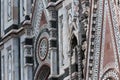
{"x": 74, "y": 26}
{"x": 74, "y": 50}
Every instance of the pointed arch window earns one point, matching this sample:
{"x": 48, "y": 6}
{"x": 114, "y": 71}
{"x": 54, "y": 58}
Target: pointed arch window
{"x": 43, "y": 73}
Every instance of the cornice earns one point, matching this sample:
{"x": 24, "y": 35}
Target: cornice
{"x": 14, "y": 33}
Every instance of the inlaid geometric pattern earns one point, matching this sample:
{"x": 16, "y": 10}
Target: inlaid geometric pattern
{"x": 108, "y": 49}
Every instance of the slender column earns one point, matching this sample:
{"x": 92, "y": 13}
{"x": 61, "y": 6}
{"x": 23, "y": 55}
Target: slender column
{"x": 76, "y": 5}
{"x": 53, "y": 47}
{"x": 28, "y": 63}
{"x": 79, "y": 63}
{"x": 70, "y": 63}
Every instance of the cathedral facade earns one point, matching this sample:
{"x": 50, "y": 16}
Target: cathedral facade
{"x": 60, "y": 39}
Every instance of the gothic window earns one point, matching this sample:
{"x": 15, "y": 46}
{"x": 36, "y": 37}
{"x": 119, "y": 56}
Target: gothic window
{"x": 73, "y": 42}
{"x": 3, "y": 67}
{"x": 9, "y": 11}
{"x": 44, "y": 72}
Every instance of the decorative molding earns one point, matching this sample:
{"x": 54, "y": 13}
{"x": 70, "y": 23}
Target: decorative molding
{"x": 44, "y": 32}
{"x": 110, "y": 74}
{"x": 103, "y": 39}
{"x": 115, "y": 25}
{"x": 12, "y": 33}
{"x": 43, "y": 39}
{"x": 106, "y": 7}
{"x": 38, "y": 9}
{"x": 113, "y": 42}
{"x": 13, "y": 26}
{"x": 116, "y": 32}
{"x": 39, "y": 68}
{"x": 97, "y": 40}
{"x": 57, "y": 4}
{"x": 107, "y": 67}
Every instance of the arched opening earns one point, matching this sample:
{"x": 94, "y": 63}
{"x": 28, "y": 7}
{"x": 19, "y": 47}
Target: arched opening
{"x": 44, "y": 72}
{"x": 73, "y": 41}
{"x": 75, "y": 48}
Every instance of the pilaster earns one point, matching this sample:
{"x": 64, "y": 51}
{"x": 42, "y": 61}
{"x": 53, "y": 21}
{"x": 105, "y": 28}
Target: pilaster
{"x": 53, "y": 40}
{"x": 28, "y": 58}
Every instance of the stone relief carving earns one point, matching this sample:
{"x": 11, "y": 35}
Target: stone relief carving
{"x": 74, "y": 36}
